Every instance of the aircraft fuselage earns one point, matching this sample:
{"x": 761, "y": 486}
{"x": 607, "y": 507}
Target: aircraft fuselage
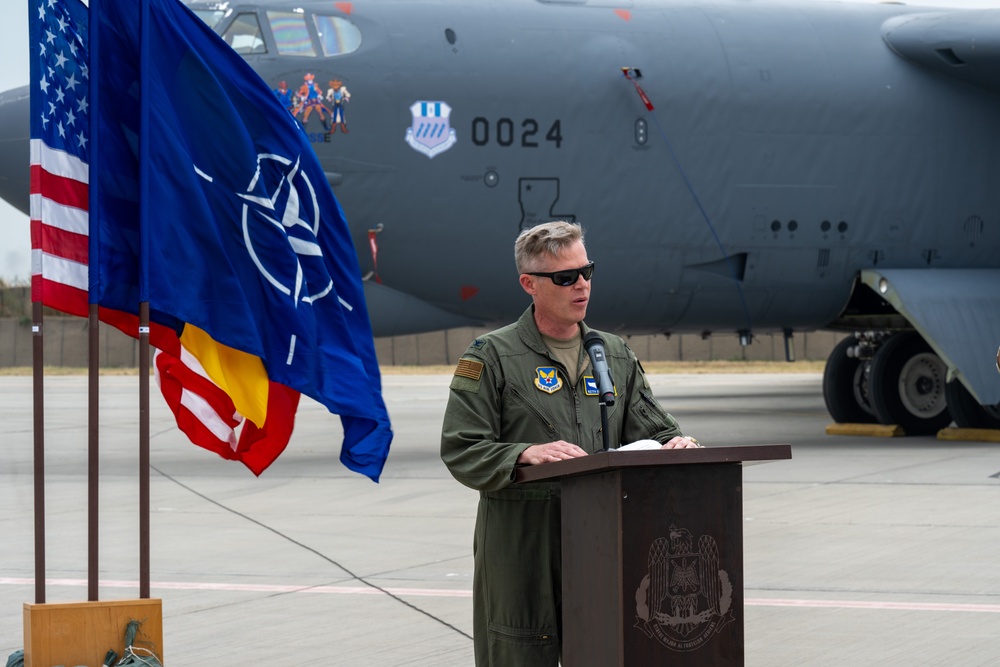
{"x": 790, "y": 133}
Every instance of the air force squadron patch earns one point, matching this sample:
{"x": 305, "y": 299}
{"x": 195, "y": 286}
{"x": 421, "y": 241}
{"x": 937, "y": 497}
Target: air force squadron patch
{"x": 548, "y": 379}
{"x": 590, "y": 386}
{"x": 431, "y": 132}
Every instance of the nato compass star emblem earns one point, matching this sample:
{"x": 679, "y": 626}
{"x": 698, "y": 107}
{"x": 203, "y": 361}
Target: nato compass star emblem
{"x": 281, "y": 197}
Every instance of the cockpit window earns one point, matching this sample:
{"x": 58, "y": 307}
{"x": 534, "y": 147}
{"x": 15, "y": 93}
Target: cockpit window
{"x": 291, "y": 34}
{"x": 337, "y": 35}
{"x": 243, "y": 34}
{"x": 211, "y": 17}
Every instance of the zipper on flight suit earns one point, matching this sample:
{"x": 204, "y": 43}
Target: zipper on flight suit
{"x": 531, "y": 406}
{"x": 643, "y": 412}
{"x": 577, "y": 407}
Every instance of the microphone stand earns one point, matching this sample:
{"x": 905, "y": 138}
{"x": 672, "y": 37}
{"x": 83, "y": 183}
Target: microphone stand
{"x": 594, "y": 345}
{"x": 604, "y": 425}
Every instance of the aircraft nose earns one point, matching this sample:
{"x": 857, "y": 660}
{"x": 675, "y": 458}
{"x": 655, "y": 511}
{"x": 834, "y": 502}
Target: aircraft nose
{"x": 14, "y": 133}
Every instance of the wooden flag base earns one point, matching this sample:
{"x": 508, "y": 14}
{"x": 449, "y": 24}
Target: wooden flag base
{"x": 80, "y": 633}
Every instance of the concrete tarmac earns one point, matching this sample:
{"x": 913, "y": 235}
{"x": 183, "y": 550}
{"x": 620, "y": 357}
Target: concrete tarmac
{"x": 861, "y": 551}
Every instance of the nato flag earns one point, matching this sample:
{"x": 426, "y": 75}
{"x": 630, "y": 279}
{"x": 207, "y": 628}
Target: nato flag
{"x": 245, "y": 238}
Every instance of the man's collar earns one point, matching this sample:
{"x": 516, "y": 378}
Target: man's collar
{"x": 528, "y": 330}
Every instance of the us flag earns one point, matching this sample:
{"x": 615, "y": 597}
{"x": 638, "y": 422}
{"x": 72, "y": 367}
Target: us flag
{"x": 60, "y": 127}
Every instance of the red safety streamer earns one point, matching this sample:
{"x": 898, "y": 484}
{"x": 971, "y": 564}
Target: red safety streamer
{"x": 373, "y": 242}
{"x": 627, "y": 73}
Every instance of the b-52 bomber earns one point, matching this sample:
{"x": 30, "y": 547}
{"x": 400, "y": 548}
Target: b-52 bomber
{"x": 739, "y": 166}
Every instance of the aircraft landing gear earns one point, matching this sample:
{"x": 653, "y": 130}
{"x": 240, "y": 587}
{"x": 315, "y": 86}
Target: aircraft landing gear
{"x": 967, "y": 412}
{"x": 908, "y": 385}
{"x": 845, "y": 384}
{"x": 889, "y": 379}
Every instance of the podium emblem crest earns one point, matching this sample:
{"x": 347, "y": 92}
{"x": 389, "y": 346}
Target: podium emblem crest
{"x": 684, "y": 599}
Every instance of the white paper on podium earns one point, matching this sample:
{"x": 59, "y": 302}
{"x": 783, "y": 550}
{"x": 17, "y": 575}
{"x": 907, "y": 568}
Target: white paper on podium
{"x": 640, "y": 444}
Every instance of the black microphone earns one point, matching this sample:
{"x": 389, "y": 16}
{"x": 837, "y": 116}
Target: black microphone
{"x": 605, "y": 385}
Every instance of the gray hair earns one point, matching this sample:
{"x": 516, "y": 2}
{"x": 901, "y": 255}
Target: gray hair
{"x": 549, "y": 238}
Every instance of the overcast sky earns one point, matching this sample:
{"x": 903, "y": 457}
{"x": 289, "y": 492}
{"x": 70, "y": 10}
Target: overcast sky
{"x": 15, "y": 258}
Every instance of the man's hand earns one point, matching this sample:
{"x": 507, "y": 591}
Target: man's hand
{"x": 549, "y": 452}
{"x": 681, "y": 442}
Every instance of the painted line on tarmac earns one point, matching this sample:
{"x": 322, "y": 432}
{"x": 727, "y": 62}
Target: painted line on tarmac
{"x": 252, "y": 588}
{"x": 452, "y": 593}
{"x": 873, "y": 604}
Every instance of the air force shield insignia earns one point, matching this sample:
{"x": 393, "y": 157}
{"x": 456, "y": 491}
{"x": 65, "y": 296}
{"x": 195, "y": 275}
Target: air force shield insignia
{"x": 548, "y": 379}
{"x": 431, "y": 132}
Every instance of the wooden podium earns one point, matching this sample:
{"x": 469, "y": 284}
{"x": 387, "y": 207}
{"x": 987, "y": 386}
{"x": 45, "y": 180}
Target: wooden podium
{"x": 652, "y": 554}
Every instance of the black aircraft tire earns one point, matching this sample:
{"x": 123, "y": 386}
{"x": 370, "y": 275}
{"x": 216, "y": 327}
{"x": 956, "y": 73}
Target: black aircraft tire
{"x": 908, "y": 385}
{"x": 966, "y": 411}
{"x": 841, "y": 386}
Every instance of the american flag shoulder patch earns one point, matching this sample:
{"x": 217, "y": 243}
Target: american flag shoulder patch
{"x": 469, "y": 368}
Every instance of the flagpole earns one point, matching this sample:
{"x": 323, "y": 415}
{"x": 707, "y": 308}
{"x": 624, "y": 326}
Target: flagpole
{"x": 144, "y": 449}
{"x": 144, "y": 62}
{"x": 39, "y": 425}
{"x": 93, "y": 312}
{"x": 37, "y": 340}
{"x": 93, "y": 451}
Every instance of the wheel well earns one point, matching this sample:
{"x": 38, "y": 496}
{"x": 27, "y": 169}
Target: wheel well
{"x": 866, "y": 310}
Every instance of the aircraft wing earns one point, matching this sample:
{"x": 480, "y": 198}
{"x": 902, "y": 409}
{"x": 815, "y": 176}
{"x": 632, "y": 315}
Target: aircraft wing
{"x": 957, "y": 311}
{"x": 964, "y": 45}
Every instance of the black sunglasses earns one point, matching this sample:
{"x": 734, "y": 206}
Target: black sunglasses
{"x": 567, "y": 277}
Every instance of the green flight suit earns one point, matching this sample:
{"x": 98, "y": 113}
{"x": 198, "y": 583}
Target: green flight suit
{"x": 505, "y": 398}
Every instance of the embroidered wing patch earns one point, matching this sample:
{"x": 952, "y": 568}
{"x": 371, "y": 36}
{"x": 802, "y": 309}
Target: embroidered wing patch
{"x": 547, "y": 379}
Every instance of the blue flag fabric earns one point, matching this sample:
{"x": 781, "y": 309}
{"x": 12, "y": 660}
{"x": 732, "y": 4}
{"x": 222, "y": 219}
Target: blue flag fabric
{"x": 245, "y": 238}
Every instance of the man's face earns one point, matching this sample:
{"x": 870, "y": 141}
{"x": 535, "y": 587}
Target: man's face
{"x": 555, "y": 304}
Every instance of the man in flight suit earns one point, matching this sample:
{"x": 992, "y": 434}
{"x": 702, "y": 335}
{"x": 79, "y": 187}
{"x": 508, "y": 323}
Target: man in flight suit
{"x": 523, "y": 395}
